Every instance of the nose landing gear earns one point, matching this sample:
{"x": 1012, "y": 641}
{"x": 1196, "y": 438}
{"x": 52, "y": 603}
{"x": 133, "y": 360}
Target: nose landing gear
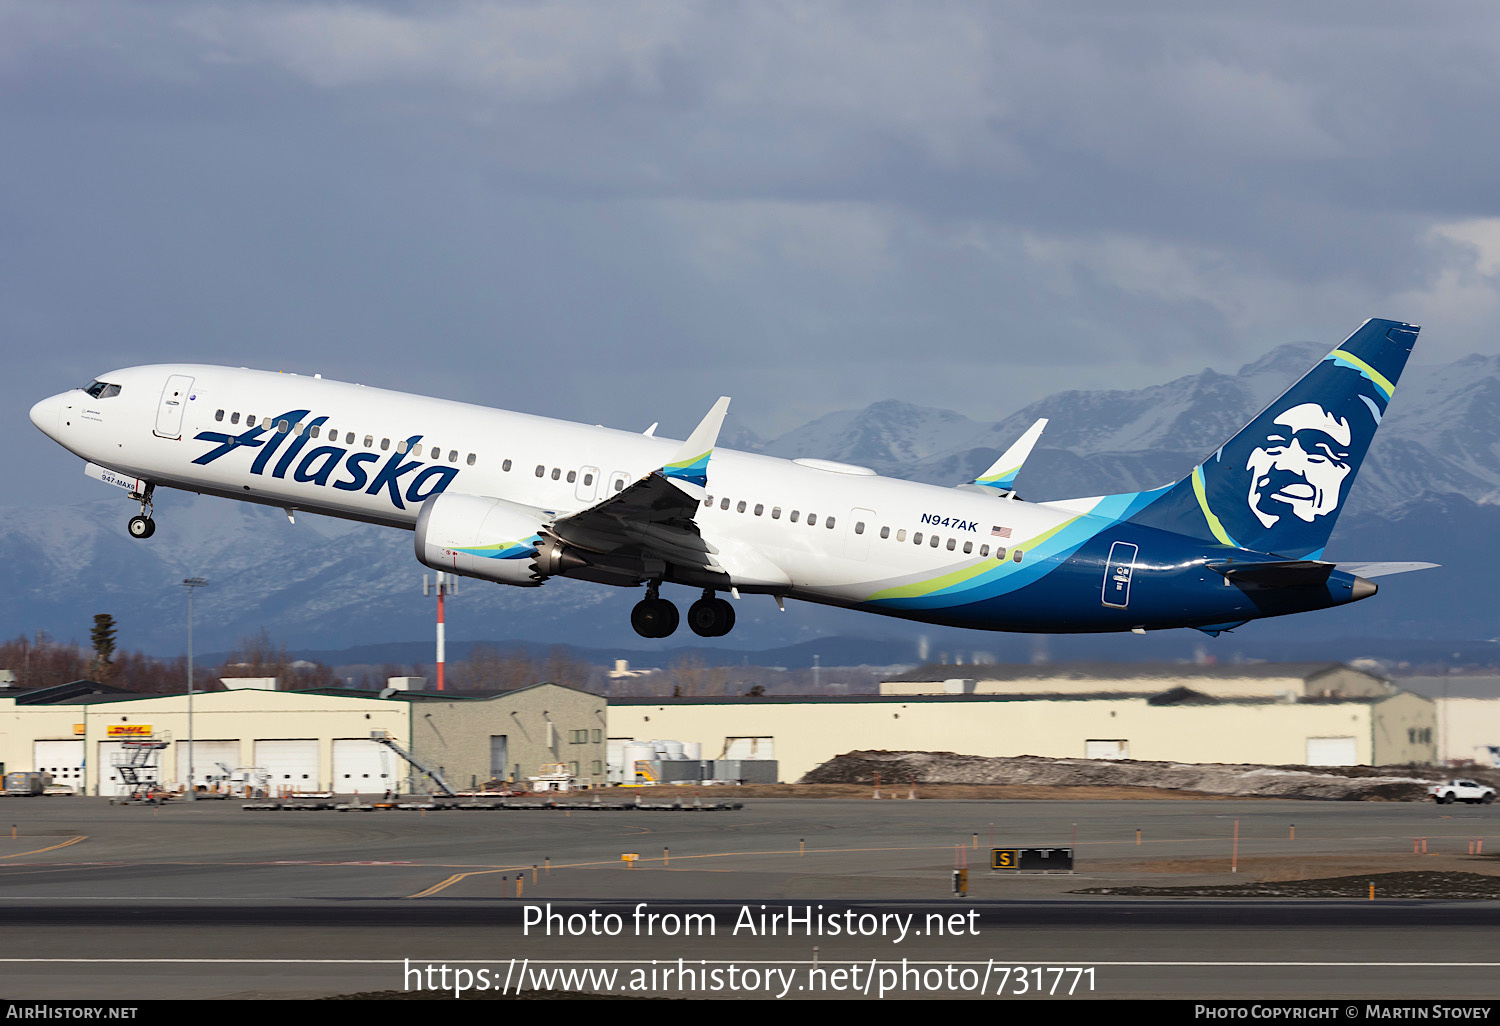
{"x": 711, "y": 617}
{"x": 141, "y": 525}
{"x": 653, "y": 616}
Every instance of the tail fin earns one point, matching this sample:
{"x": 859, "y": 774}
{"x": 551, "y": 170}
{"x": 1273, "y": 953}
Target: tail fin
{"x": 1278, "y": 485}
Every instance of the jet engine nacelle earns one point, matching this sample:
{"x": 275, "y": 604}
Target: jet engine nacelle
{"x": 481, "y": 537}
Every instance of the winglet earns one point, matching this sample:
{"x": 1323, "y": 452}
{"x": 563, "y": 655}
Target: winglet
{"x": 1001, "y": 477}
{"x": 690, "y": 466}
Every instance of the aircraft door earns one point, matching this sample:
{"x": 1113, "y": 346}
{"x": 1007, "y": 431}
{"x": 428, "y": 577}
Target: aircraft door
{"x": 617, "y": 482}
{"x": 588, "y": 484}
{"x": 174, "y": 399}
{"x": 1118, "y": 571}
{"x": 857, "y": 535}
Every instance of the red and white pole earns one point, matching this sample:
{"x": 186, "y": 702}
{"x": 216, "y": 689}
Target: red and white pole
{"x": 442, "y": 590}
{"x": 445, "y": 583}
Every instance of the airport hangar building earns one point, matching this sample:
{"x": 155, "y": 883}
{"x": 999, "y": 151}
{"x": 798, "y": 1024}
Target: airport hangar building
{"x": 316, "y": 741}
{"x": 308, "y": 741}
{"x": 1262, "y": 713}
{"x": 1468, "y": 713}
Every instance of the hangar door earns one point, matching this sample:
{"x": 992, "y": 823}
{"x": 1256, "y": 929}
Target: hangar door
{"x": 208, "y": 760}
{"x": 1332, "y": 751}
{"x": 63, "y": 759}
{"x": 1111, "y": 748}
{"x": 361, "y": 766}
{"x": 290, "y": 763}
{"x": 751, "y": 748}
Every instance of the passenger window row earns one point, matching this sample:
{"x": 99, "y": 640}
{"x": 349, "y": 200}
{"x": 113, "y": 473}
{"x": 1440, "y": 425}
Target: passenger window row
{"x": 434, "y": 452}
{"x": 572, "y": 475}
{"x": 760, "y": 509}
{"x": 933, "y": 541}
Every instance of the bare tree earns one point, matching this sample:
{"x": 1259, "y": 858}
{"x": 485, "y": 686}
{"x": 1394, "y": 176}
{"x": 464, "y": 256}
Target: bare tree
{"x": 489, "y": 669}
{"x": 40, "y": 662}
{"x": 562, "y": 667}
{"x": 691, "y": 677}
{"x": 257, "y": 656}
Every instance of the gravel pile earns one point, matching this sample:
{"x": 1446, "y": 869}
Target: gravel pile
{"x": 1336, "y": 784}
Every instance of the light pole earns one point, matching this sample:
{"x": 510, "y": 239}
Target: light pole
{"x": 191, "y": 584}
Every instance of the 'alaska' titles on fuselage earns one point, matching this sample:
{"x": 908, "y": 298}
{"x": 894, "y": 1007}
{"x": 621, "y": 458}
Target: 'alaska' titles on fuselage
{"x": 318, "y": 465}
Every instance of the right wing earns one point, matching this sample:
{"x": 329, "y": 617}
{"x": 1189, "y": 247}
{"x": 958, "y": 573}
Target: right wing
{"x": 652, "y": 520}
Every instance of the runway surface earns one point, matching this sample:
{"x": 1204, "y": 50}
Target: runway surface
{"x": 207, "y": 900}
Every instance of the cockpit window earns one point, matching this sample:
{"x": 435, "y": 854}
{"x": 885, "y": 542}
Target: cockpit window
{"x": 102, "y": 389}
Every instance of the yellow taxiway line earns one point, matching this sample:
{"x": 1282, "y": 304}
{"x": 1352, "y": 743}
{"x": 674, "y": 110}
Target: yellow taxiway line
{"x": 38, "y": 851}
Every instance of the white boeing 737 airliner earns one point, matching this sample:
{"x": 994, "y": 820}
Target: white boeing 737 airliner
{"x": 519, "y": 500}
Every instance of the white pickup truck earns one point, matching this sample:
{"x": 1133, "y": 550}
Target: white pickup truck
{"x": 1461, "y": 791}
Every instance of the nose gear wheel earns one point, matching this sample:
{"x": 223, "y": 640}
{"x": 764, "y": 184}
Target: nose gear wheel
{"x": 141, "y": 525}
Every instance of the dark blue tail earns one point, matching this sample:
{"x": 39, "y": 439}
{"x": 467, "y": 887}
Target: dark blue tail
{"x": 1278, "y": 485}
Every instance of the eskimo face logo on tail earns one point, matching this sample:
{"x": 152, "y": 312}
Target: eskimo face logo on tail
{"x": 331, "y": 465}
{"x": 1279, "y": 484}
{"x": 1301, "y": 465}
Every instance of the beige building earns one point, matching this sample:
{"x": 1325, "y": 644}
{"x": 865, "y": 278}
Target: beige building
{"x": 304, "y": 741}
{"x": 1248, "y": 680}
{"x": 1470, "y": 730}
{"x": 803, "y": 733}
{"x": 511, "y": 735}
{"x": 1468, "y": 716}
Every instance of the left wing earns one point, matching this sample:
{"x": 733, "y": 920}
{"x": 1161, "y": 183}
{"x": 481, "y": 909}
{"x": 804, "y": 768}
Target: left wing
{"x": 1000, "y": 479}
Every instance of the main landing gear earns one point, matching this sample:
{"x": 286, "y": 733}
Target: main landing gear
{"x": 141, "y": 525}
{"x": 710, "y": 617}
{"x": 655, "y": 617}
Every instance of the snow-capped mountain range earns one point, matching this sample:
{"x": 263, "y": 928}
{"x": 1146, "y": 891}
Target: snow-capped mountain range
{"x": 1442, "y": 433}
{"x": 1428, "y": 490}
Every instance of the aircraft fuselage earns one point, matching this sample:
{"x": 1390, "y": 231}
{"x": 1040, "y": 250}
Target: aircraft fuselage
{"x": 812, "y": 530}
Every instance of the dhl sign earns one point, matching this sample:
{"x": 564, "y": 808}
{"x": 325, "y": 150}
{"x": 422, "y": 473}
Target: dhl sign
{"x": 129, "y": 730}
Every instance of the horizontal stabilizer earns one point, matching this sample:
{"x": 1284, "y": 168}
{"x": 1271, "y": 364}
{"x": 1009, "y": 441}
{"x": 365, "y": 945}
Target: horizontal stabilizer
{"x": 1368, "y": 570}
{"x": 1288, "y": 573}
{"x": 1001, "y": 477}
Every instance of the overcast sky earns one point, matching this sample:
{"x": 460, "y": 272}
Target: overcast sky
{"x": 616, "y": 212}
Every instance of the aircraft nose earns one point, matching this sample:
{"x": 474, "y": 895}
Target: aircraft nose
{"x": 46, "y": 415}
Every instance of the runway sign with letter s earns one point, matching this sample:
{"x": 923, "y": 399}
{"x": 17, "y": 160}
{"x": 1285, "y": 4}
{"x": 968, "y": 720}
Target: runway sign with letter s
{"x": 1032, "y": 859}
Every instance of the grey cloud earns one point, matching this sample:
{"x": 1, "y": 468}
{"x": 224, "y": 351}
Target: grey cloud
{"x": 611, "y": 211}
